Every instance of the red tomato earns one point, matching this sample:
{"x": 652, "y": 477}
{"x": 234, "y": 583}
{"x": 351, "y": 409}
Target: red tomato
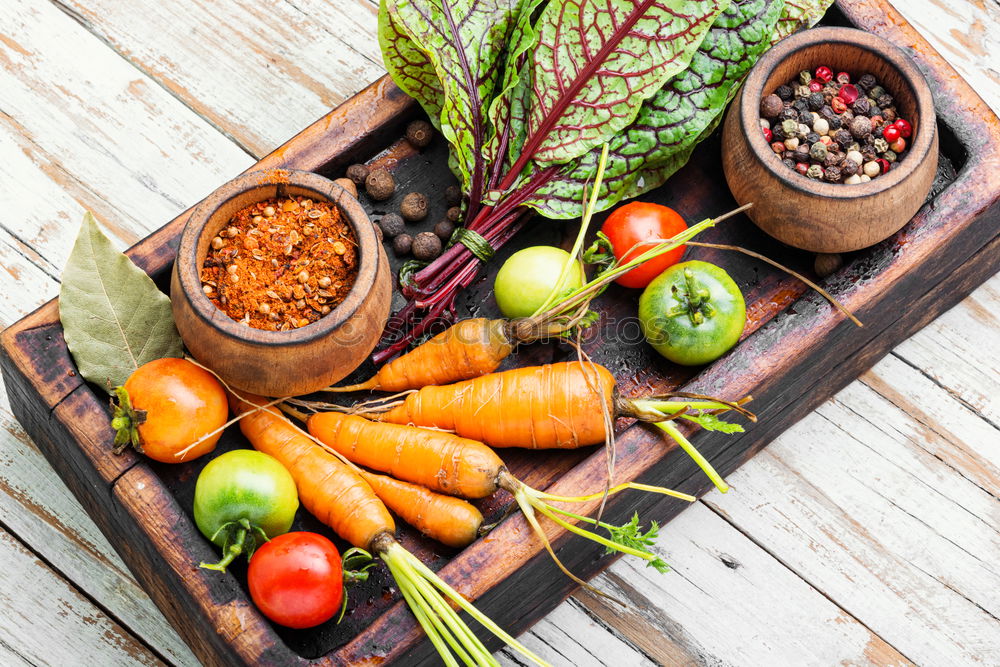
{"x": 640, "y": 221}
{"x": 297, "y": 579}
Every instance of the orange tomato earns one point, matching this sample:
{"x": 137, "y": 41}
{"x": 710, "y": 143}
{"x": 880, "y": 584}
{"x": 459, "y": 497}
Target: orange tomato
{"x": 182, "y": 402}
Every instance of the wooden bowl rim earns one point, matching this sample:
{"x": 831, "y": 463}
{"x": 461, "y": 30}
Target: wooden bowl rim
{"x": 750, "y": 111}
{"x": 189, "y": 276}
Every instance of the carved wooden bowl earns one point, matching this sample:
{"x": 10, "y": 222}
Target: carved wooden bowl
{"x": 280, "y": 363}
{"x": 816, "y": 215}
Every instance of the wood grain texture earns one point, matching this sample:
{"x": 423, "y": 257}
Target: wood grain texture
{"x": 37, "y": 181}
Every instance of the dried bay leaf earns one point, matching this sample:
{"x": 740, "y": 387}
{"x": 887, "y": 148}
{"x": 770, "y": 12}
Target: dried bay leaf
{"x": 114, "y": 318}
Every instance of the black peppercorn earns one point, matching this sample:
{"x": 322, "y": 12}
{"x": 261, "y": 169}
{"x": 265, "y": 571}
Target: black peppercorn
{"x": 865, "y": 82}
{"x": 402, "y": 244}
{"x": 836, "y": 123}
{"x": 777, "y": 133}
{"x": 800, "y": 105}
{"x": 444, "y": 230}
{"x": 358, "y": 173}
{"x": 861, "y": 106}
{"x": 784, "y": 92}
{"x": 843, "y": 138}
{"x": 419, "y": 133}
{"x": 861, "y": 127}
{"x": 868, "y": 153}
{"x": 884, "y": 101}
{"x": 788, "y": 162}
{"x": 453, "y": 195}
{"x": 876, "y": 92}
{"x": 812, "y": 137}
{"x": 789, "y": 113}
{"x": 831, "y": 175}
{"x": 413, "y": 207}
{"x": 890, "y": 115}
{"x": 827, "y": 113}
{"x": 816, "y": 101}
{"x": 806, "y": 117}
{"x": 392, "y": 225}
{"x": 789, "y": 155}
{"x": 771, "y": 106}
{"x": 833, "y": 159}
{"x": 802, "y": 152}
{"x": 380, "y": 185}
{"x": 849, "y": 167}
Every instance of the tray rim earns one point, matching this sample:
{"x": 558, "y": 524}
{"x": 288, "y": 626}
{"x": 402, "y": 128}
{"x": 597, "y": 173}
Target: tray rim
{"x": 382, "y": 104}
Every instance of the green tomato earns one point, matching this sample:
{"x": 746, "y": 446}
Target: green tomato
{"x": 242, "y": 499}
{"x": 527, "y": 278}
{"x": 692, "y": 313}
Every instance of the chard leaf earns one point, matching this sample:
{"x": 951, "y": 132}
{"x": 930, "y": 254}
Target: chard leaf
{"x": 409, "y": 66}
{"x": 671, "y": 123}
{"x": 596, "y": 62}
{"x": 114, "y": 318}
{"x": 464, "y": 40}
{"x": 798, "y": 15}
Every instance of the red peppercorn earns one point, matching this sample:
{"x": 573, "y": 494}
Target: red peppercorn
{"x": 824, "y": 73}
{"x": 905, "y": 129}
{"x": 838, "y": 105}
{"x": 778, "y": 147}
{"x": 816, "y": 85}
{"x": 898, "y": 146}
{"x": 801, "y": 167}
{"x": 767, "y": 134}
{"x": 891, "y": 133}
{"x": 877, "y": 120}
{"x": 883, "y": 164}
{"x": 843, "y": 77}
{"x": 848, "y": 93}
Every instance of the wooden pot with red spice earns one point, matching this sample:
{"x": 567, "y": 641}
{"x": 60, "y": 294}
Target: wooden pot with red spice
{"x": 280, "y": 284}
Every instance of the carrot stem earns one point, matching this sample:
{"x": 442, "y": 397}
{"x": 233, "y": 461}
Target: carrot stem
{"x": 615, "y": 489}
{"x": 674, "y": 432}
{"x": 418, "y": 606}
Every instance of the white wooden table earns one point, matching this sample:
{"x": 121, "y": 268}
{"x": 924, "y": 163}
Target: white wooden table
{"x": 867, "y": 534}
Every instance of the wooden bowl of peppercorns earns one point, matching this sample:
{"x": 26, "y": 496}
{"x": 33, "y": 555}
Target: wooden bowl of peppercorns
{"x": 824, "y": 210}
{"x": 280, "y": 285}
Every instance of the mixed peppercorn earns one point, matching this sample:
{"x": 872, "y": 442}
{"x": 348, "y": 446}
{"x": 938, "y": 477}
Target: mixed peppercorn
{"x": 281, "y": 264}
{"x": 828, "y": 128}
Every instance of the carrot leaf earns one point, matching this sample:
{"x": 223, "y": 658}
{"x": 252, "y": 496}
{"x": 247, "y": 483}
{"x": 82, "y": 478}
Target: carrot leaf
{"x": 711, "y": 422}
{"x": 630, "y": 535}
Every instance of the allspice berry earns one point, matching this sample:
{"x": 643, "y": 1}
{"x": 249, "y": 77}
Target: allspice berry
{"x": 827, "y": 263}
{"x": 419, "y": 133}
{"x": 402, "y": 244}
{"x": 426, "y": 246}
{"x": 380, "y": 185}
{"x": 414, "y": 207}
{"x": 358, "y": 173}
{"x": 771, "y": 106}
{"x": 444, "y": 230}
{"x": 453, "y": 195}
{"x": 392, "y": 225}
{"x": 454, "y": 213}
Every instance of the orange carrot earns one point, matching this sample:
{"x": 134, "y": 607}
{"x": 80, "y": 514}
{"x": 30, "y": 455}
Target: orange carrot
{"x": 342, "y": 500}
{"x": 540, "y": 407}
{"x": 468, "y": 349}
{"x": 440, "y": 461}
{"x": 449, "y": 520}
{"x": 330, "y": 490}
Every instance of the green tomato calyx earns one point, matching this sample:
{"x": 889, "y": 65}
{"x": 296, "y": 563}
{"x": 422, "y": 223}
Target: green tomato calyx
{"x": 126, "y": 421}
{"x": 694, "y": 299}
{"x": 237, "y": 543}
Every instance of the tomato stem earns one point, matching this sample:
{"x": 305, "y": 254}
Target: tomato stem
{"x": 231, "y": 551}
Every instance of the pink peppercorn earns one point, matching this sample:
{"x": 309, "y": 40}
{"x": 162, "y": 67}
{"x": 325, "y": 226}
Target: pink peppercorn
{"x": 890, "y": 133}
{"x": 801, "y": 167}
{"x": 905, "y": 129}
{"x": 898, "y": 146}
{"x": 824, "y": 73}
{"x": 838, "y": 105}
{"x": 767, "y": 134}
{"x": 843, "y": 77}
{"x": 883, "y": 165}
{"x": 848, "y": 93}
{"x": 816, "y": 85}
{"x": 778, "y": 147}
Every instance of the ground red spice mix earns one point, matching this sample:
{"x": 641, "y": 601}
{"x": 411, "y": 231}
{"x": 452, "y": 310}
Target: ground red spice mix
{"x": 281, "y": 264}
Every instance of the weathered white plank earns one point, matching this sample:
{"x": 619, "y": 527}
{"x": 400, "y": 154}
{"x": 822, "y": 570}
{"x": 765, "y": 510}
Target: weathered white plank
{"x": 46, "y": 621}
{"x": 275, "y": 66}
{"x": 725, "y": 602}
{"x": 965, "y": 33}
{"x": 570, "y": 636}
{"x": 961, "y": 351}
{"x": 111, "y": 137}
{"x": 855, "y": 501}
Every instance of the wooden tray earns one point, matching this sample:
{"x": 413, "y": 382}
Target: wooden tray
{"x": 798, "y": 351}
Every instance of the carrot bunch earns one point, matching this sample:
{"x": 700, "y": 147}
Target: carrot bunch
{"x": 342, "y": 499}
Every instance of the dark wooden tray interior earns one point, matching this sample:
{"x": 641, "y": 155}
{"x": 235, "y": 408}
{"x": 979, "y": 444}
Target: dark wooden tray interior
{"x": 796, "y": 351}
